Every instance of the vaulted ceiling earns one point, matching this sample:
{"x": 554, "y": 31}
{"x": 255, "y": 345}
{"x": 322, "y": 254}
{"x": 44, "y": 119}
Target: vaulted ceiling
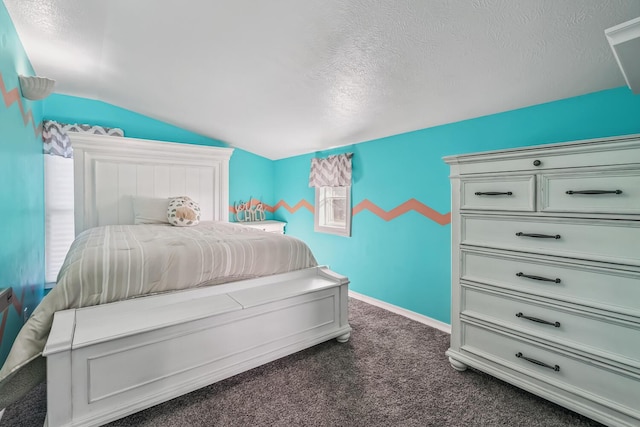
{"x": 286, "y": 77}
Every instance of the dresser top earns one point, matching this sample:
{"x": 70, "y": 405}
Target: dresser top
{"x": 618, "y": 152}
{"x": 268, "y": 221}
{"x": 616, "y": 143}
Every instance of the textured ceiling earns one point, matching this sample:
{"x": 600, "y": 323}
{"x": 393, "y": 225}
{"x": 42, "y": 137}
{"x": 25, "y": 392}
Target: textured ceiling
{"x": 286, "y": 77}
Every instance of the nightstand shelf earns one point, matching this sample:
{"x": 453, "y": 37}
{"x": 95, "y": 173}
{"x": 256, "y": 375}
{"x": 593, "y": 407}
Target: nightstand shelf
{"x": 270, "y": 226}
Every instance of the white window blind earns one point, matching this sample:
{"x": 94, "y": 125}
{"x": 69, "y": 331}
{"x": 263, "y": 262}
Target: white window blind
{"x": 333, "y": 210}
{"x": 333, "y": 206}
{"x": 59, "y": 223}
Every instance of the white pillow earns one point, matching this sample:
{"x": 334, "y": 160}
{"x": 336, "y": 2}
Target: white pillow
{"x": 183, "y": 212}
{"x": 150, "y": 210}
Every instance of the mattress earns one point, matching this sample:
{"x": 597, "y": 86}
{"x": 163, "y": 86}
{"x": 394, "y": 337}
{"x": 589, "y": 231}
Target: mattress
{"x": 118, "y": 262}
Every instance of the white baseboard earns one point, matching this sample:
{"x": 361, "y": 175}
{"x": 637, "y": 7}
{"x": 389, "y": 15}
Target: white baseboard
{"x": 403, "y": 312}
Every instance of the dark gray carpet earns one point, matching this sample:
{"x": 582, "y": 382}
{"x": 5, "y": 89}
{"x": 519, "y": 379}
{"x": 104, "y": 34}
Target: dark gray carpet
{"x": 393, "y": 372}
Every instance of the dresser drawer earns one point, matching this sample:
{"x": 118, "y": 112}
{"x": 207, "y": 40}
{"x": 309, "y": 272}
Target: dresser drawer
{"x": 513, "y": 193}
{"x": 613, "y": 241}
{"x": 592, "y": 192}
{"x": 600, "y": 336}
{"x": 621, "y": 151}
{"x": 603, "y": 288}
{"x": 575, "y": 375}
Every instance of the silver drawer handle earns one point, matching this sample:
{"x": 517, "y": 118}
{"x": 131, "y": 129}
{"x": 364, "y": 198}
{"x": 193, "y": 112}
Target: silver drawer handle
{"x": 535, "y": 319}
{"x": 537, "y": 362}
{"x": 493, "y": 193}
{"x": 594, "y": 192}
{"x": 539, "y": 236}
{"x": 543, "y": 279}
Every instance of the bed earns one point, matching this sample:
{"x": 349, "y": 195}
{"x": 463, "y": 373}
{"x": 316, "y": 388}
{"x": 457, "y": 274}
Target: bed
{"x": 129, "y": 343}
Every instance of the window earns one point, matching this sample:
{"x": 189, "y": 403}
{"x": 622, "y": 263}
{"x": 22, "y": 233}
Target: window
{"x": 59, "y": 220}
{"x": 333, "y": 210}
{"x": 331, "y": 178}
{"x": 59, "y": 190}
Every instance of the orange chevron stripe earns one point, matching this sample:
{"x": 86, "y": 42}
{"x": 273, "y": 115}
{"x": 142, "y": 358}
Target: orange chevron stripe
{"x": 409, "y": 205}
{"x": 301, "y": 204}
{"x": 13, "y": 96}
{"x": 281, "y": 204}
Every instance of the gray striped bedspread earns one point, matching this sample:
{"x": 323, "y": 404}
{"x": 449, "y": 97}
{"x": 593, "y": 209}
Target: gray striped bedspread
{"x": 117, "y": 262}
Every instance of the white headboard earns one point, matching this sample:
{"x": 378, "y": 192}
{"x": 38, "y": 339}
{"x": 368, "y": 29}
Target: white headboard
{"x": 109, "y": 170}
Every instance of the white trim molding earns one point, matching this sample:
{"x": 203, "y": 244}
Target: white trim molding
{"x": 624, "y": 40}
{"x": 403, "y": 312}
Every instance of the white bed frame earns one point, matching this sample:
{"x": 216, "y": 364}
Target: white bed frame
{"x": 112, "y": 360}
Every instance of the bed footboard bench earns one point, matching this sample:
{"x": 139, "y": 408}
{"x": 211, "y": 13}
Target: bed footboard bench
{"x": 108, "y": 361}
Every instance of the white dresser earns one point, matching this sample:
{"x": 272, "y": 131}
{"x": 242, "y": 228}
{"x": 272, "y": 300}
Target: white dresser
{"x": 270, "y": 226}
{"x": 546, "y": 272}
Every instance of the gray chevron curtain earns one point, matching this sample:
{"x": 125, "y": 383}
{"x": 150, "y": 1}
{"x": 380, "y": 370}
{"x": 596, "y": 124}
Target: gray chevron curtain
{"x": 56, "y": 140}
{"x": 333, "y": 171}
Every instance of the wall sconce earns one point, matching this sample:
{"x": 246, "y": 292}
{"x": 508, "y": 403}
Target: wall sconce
{"x": 35, "y": 87}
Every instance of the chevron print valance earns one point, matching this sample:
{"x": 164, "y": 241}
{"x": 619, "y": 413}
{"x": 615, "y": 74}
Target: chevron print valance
{"x": 56, "y": 139}
{"x": 333, "y": 171}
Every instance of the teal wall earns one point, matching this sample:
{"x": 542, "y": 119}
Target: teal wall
{"x": 250, "y": 175}
{"x": 406, "y": 261}
{"x": 21, "y": 187}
